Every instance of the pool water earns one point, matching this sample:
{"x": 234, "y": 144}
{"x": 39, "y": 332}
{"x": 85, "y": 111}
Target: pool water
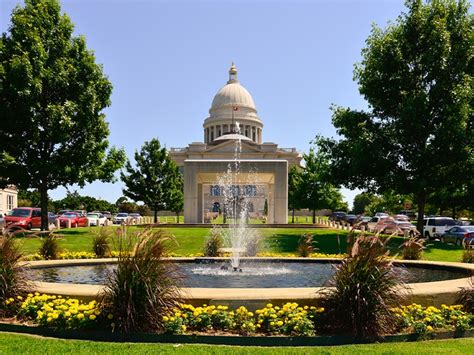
{"x": 252, "y": 275}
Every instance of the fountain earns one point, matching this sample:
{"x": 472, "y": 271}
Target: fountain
{"x": 236, "y": 207}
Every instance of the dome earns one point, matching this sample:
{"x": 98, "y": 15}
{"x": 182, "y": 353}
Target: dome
{"x": 231, "y": 108}
{"x": 233, "y": 94}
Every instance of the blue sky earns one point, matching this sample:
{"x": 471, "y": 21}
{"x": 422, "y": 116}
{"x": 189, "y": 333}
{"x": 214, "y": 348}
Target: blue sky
{"x": 167, "y": 59}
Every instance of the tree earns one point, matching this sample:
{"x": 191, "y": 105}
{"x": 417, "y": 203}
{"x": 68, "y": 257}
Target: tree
{"x": 416, "y": 136}
{"x": 361, "y": 201}
{"x": 294, "y": 192}
{"x": 52, "y": 93}
{"x": 315, "y": 189}
{"x": 156, "y": 180}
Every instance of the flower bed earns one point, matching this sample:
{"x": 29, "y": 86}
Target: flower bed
{"x": 289, "y": 319}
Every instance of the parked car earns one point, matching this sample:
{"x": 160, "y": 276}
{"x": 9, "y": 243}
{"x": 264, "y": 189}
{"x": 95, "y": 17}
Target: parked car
{"x": 373, "y": 222}
{"x": 120, "y": 218}
{"x": 361, "y": 222}
{"x": 52, "y": 218}
{"x": 96, "y": 219}
{"x": 350, "y": 218}
{"x": 382, "y": 214}
{"x": 24, "y": 217}
{"x": 61, "y": 212}
{"x": 77, "y": 220}
{"x": 81, "y": 212}
{"x": 134, "y": 217}
{"x": 435, "y": 226}
{"x": 107, "y": 215}
{"x": 389, "y": 226}
{"x": 459, "y": 235}
{"x": 401, "y": 217}
{"x": 337, "y": 216}
{"x": 2, "y": 220}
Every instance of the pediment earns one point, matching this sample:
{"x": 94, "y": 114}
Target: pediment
{"x": 229, "y": 147}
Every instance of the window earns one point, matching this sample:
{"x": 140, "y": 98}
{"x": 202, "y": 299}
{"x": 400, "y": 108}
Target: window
{"x": 250, "y": 190}
{"x": 10, "y": 202}
{"x": 215, "y": 190}
{"x": 36, "y": 213}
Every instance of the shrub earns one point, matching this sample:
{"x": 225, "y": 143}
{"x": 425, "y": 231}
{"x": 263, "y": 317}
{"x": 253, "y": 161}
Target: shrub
{"x": 213, "y": 243}
{"x": 412, "y": 248}
{"x": 365, "y": 289}
{"x": 253, "y": 243}
{"x": 305, "y": 245}
{"x": 468, "y": 256}
{"x": 100, "y": 243}
{"x": 49, "y": 249}
{"x": 143, "y": 287}
{"x": 13, "y": 280}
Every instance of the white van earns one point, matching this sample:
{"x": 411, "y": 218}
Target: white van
{"x": 435, "y": 226}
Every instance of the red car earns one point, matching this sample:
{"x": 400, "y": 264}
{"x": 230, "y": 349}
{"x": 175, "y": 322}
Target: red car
{"x": 24, "y": 217}
{"x": 77, "y": 220}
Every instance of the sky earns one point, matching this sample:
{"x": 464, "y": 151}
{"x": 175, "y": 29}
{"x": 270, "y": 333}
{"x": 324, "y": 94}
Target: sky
{"x": 167, "y": 60}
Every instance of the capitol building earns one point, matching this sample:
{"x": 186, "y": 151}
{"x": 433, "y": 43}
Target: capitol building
{"x": 263, "y": 166}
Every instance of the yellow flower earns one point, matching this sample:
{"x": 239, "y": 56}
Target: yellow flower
{"x": 183, "y": 328}
{"x": 429, "y": 328}
{"x": 269, "y": 305}
{"x": 165, "y": 318}
{"x": 80, "y": 316}
{"x": 110, "y": 316}
{"x": 279, "y": 323}
{"x": 92, "y": 317}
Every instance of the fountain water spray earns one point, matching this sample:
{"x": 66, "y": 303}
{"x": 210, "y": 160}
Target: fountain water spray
{"x": 236, "y": 207}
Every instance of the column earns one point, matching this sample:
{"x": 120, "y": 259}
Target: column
{"x": 190, "y": 195}
{"x": 280, "y": 195}
{"x": 270, "y": 201}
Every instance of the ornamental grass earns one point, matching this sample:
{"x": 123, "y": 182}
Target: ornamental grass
{"x": 465, "y": 296}
{"x": 143, "y": 287}
{"x": 213, "y": 243}
{"x": 412, "y": 248}
{"x": 365, "y": 289}
{"x": 50, "y": 248}
{"x": 13, "y": 279}
{"x": 100, "y": 242}
{"x": 305, "y": 245}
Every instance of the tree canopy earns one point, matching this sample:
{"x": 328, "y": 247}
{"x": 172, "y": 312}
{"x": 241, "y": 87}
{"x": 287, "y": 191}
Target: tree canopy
{"x": 156, "y": 180}
{"x": 52, "y": 129}
{"x": 315, "y": 189}
{"x": 417, "y": 77}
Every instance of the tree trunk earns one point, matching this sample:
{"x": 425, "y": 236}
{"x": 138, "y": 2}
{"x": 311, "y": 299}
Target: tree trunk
{"x": 177, "y": 217}
{"x": 293, "y": 216}
{"x": 155, "y": 219}
{"x": 44, "y": 207}
{"x": 314, "y": 216}
{"x": 421, "y": 201}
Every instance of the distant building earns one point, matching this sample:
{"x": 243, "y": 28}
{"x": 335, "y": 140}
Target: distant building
{"x": 8, "y": 199}
{"x": 263, "y": 165}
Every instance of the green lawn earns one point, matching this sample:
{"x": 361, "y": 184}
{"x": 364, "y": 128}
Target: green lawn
{"x": 283, "y": 241}
{"x": 20, "y": 344}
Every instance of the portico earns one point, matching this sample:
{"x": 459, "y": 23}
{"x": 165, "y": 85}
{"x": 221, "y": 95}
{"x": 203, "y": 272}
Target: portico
{"x": 273, "y": 174}
{"x": 262, "y": 176}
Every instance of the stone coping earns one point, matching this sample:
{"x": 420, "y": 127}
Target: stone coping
{"x": 427, "y": 293}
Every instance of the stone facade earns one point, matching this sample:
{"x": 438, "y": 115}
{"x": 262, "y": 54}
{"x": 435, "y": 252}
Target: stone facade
{"x": 263, "y": 173}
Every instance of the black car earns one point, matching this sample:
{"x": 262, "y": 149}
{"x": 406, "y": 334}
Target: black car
{"x": 338, "y": 216}
{"x": 350, "y": 218}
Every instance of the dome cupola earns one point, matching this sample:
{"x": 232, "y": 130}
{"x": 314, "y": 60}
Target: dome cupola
{"x": 233, "y": 103}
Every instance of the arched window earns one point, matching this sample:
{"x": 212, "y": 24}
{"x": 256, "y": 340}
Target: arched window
{"x": 215, "y": 190}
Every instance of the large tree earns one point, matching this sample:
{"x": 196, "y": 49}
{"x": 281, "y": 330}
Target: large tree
{"x": 417, "y": 76}
{"x": 155, "y": 180}
{"x": 315, "y": 189}
{"x": 52, "y": 94}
